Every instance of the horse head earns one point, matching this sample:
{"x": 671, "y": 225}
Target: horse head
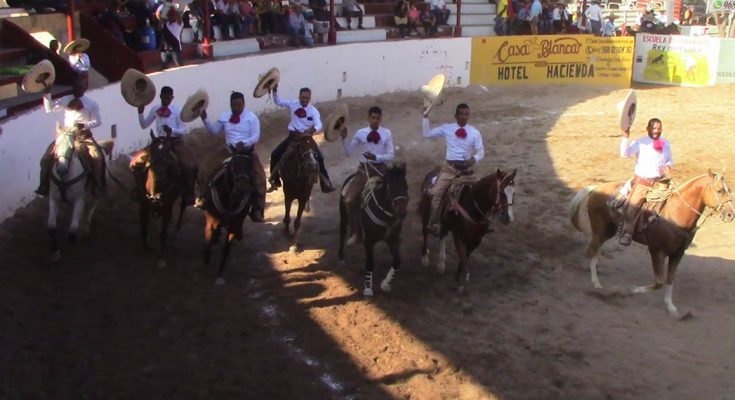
{"x": 305, "y": 153}
{"x": 397, "y": 188}
{"x": 717, "y": 196}
{"x": 505, "y": 186}
{"x": 63, "y": 150}
{"x": 163, "y": 170}
{"x": 239, "y": 170}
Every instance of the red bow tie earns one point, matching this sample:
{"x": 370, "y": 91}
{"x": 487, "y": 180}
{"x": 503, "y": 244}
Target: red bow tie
{"x": 301, "y": 113}
{"x": 235, "y": 119}
{"x": 374, "y": 137}
{"x": 163, "y": 112}
{"x": 461, "y": 133}
{"x": 658, "y": 145}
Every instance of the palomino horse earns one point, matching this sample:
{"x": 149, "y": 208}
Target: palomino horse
{"x": 299, "y": 172}
{"x": 469, "y": 214}
{"x": 230, "y": 188}
{"x": 69, "y": 185}
{"x": 158, "y": 187}
{"x": 667, "y": 235}
{"x": 382, "y": 211}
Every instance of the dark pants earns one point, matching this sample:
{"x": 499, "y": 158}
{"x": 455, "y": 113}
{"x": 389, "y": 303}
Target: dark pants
{"x": 348, "y": 16}
{"x": 277, "y": 154}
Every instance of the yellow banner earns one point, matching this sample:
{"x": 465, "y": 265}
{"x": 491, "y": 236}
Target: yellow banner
{"x": 580, "y": 59}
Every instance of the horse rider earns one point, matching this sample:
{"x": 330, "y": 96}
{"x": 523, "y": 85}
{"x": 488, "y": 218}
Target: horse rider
{"x": 80, "y": 115}
{"x": 376, "y": 143}
{"x": 653, "y": 163}
{"x": 168, "y": 124}
{"x": 464, "y": 149}
{"x": 242, "y": 127}
{"x": 305, "y": 120}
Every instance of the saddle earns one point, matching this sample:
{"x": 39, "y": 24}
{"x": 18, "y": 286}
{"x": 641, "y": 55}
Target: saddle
{"x": 656, "y": 199}
{"x": 461, "y": 182}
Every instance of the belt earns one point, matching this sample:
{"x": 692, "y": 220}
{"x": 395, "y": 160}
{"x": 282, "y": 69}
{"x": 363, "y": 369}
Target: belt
{"x": 645, "y": 181}
{"x": 459, "y": 164}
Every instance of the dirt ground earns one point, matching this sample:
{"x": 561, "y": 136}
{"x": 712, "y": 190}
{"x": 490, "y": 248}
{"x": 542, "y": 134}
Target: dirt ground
{"x": 105, "y": 322}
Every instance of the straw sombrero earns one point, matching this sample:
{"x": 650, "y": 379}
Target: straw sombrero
{"x": 77, "y": 45}
{"x": 43, "y": 72}
{"x": 266, "y": 82}
{"x": 335, "y": 121}
{"x": 627, "y": 110}
{"x": 195, "y": 104}
{"x": 433, "y": 92}
{"x": 136, "y": 88}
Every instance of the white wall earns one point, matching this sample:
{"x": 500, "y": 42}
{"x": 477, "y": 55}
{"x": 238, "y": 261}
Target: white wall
{"x": 357, "y": 69}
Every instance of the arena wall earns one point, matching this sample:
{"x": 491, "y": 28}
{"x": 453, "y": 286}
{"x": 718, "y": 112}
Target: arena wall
{"x": 351, "y": 70}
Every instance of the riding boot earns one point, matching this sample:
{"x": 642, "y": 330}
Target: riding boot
{"x": 257, "y": 209}
{"x": 275, "y": 181}
{"x": 47, "y": 162}
{"x": 325, "y": 183}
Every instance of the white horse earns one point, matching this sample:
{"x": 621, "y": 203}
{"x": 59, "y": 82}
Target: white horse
{"x": 69, "y": 185}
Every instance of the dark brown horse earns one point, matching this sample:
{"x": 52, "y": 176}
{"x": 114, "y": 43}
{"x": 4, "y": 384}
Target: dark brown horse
{"x": 470, "y": 212}
{"x": 299, "y": 171}
{"x": 667, "y": 235}
{"x": 158, "y": 188}
{"x": 228, "y": 203}
{"x": 383, "y": 208}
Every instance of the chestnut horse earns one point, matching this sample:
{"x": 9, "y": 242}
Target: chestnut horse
{"x": 299, "y": 172}
{"x": 382, "y": 210}
{"x": 667, "y": 235}
{"x": 468, "y": 216}
{"x": 158, "y": 186}
{"x": 229, "y": 201}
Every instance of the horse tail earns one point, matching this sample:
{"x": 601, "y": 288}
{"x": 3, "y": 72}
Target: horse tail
{"x": 579, "y": 210}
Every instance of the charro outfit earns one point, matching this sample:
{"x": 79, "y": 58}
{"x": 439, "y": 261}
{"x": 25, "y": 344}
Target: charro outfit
{"x": 302, "y": 118}
{"x": 463, "y": 143}
{"x": 168, "y": 116}
{"x": 84, "y": 111}
{"x": 244, "y": 128}
{"x": 378, "y": 142}
{"x": 652, "y": 158}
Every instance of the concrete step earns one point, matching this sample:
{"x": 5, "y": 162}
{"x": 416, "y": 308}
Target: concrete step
{"x": 235, "y": 47}
{"x": 361, "y": 35}
{"x": 474, "y": 2}
{"x": 368, "y": 22}
{"x": 477, "y": 30}
{"x": 472, "y": 19}
{"x": 471, "y": 8}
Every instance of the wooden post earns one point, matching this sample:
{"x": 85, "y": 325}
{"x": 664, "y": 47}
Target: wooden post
{"x": 70, "y": 22}
{"x": 332, "y": 35}
{"x": 206, "y": 44}
{"x": 458, "y": 25}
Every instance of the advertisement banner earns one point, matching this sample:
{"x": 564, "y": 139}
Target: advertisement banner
{"x": 550, "y": 59}
{"x": 725, "y": 6}
{"x": 726, "y": 64}
{"x": 676, "y": 60}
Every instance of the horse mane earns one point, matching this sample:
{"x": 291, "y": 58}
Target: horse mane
{"x": 691, "y": 180}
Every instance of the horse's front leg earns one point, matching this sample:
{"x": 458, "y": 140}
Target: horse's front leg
{"x": 369, "y": 267}
{"x": 287, "y": 216}
{"x": 144, "y": 215}
{"x": 394, "y": 244}
{"x": 669, "y": 288}
{"x": 342, "y": 231}
{"x": 53, "y": 234}
{"x": 225, "y": 253}
{"x": 297, "y": 226}
{"x": 86, "y": 226}
{"x": 462, "y": 276}
{"x": 76, "y": 218}
{"x": 441, "y": 264}
{"x": 658, "y": 261}
{"x": 211, "y": 236}
{"x": 163, "y": 236}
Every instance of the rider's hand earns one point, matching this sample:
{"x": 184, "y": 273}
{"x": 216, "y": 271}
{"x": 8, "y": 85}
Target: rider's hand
{"x": 79, "y": 126}
{"x": 203, "y": 114}
{"x": 141, "y": 109}
{"x": 168, "y": 130}
{"x": 310, "y": 131}
{"x": 370, "y": 156}
{"x": 274, "y": 88}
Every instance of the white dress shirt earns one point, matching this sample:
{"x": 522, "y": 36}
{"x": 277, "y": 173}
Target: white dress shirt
{"x": 649, "y": 162}
{"x": 173, "y": 121}
{"x": 594, "y": 13}
{"x": 312, "y": 118}
{"x": 89, "y": 115}
{"x": 438, "y": 4}
{"x": 458, "y": 149}
{"x": 246, "y": 131}
{"x": 79, "y": 62}
{"x": 383, "y": 150}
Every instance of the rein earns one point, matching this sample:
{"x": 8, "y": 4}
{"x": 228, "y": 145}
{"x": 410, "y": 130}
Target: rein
{"x": 227, "y": 213}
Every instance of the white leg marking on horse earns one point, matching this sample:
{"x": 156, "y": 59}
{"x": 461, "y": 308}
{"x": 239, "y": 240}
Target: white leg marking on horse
{"x": 593, "y": 272}
{"x": 293, "y": 250}
{"x": 509, "y": 196}
{"x": 640, "y": 289}
{"x": 673, "y": 311}
{"x": 386, "y": 284}
{"x": 441, "y": 265}
{"x": 368, "y": 291}
{"x": 425, "y": 259}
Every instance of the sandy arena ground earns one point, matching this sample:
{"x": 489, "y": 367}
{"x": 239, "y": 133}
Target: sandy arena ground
{"x": 105, "y": 322}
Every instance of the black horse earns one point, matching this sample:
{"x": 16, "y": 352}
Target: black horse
{"x": 383, "y": 206}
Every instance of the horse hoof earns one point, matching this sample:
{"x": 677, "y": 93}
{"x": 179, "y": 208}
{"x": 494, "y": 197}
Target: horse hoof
{"x": 597, "y": 285}
{"x": 162, "y": 264}
{"x": 425, "y": 261}
{"x": 220, "y": 281}
{"x": 385, "y": 286}
{"x": 293, "y": 250}
{"x": 368, "y": 292}
{"x": 55, "y": 256}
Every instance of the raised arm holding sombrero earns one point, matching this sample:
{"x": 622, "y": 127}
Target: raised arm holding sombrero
{"x": 464, "y": 149}
{"x": 78, "y": 59}
{"x": 167, "y": 117}
{"x": 653, "y": 163}
{"x": 305, "y": 120}
{"x": 376, "y": 143}
{"x": 242, "y": 132}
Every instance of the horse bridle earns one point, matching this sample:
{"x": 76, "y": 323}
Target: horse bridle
{"x": 493, "y": 210}
{"x": 389, "y": 214}
{"x": 156, "y": 197}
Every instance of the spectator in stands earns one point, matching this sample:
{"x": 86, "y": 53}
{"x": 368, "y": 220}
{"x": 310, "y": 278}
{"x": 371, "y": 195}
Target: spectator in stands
{"x": 594, "y": 15}
{"x": 400, "y": 18}
{"x": 248, "y": 17}
{"x": 608, "y": 28}
{"x": 545, "y": 25}
{"x": 560, "y": 17}
{"x": 309, "y": 31}
{"x": 501, "y": 18}
{"x": 688, "y": 15}
{"x": 521, "y": 24}
{"x": 535, "y": 16}
{"x": 320, "y": 9}
{"x": 428, "y": 21}
{"x": 78, "y": 59}
{"x": 194, "y": 12}
{"x": 439, "y": 8}
{"x": 53, "y": 47}
{"x": 170, "y": 36}
{"x": 350, "y": 8}
{"x": 111, "y": 21}
{"x": 413, "y": 18}
{"x": 662, "y": 17}
{"x": 296, "y": 26}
